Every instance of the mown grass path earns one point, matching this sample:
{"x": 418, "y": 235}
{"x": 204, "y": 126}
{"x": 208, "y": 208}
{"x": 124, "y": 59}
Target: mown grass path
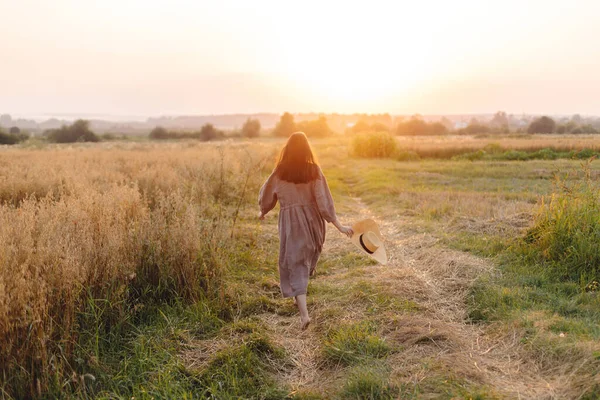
{"x": 418, "y": 304}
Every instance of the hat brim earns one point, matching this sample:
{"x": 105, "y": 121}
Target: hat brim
{"x": 368, "y": 225}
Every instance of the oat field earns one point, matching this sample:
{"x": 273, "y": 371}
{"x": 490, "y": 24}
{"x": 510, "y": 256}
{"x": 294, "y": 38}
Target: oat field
{"x": 140, "y": 270}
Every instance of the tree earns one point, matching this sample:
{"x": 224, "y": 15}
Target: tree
{"x": 588, "y": 128}
{"x": 251, "y": 128}
{"x": 416, "y": 126}
{"x": 159, "y": 133}
{"x": 500, "y": 122}
{"x": 79, "y": 131}
{"x": 15, "y": 130}
{"x": 12, "y": 138}
{"x": 437, "y": 128}
{"x": 209, "y": 132}
{"x": 379, "y": 127}
{"x": 447, "y": 123}
{"x": 542, "y": 125}
{"x": 286, "y": 126}
{"x": 474, "y": 129}
{"x": 360, "y": 126}
{"x": 316, "y": 127}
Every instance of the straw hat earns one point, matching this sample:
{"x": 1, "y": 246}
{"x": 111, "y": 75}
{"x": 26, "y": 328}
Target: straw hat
{"x": 369, "y": 240}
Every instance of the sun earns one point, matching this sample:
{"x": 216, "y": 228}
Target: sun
{"x": 356, "y": 82}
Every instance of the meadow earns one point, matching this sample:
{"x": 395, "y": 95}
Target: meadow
{"x": 140, "y": 270}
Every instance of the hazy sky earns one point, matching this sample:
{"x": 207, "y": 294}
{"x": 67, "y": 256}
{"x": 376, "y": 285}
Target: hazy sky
{"x": 145, "y": 57}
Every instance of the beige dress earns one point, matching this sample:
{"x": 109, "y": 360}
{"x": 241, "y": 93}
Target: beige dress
{"x": 304, "y": 208}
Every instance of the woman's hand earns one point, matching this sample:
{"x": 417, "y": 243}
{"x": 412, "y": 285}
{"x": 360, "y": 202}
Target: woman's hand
{"x": 261, "y": 216}
{"x": 346, "y": 230}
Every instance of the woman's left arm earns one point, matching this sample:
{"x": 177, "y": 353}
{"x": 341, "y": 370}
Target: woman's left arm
{"x": 326, "y": 206}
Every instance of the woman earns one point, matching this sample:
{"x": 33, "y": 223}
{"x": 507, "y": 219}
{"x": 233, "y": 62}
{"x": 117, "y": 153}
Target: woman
{"x": 305, "y": 204}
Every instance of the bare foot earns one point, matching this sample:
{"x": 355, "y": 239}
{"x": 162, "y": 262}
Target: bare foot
{"x": 305, "y": 324}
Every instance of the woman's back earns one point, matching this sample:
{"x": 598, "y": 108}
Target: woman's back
{"x": 314, "y": 193}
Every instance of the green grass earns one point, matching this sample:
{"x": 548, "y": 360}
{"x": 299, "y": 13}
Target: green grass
{"x": 354, "y": 343}
{"x": 566, "y": 234}
{"x": 497, "y": 153}
{"x": 444, "y": 385}
{"x": 243, "y": 372}
{"x": 146, "y": 364}
{"x": 368, "y": 382}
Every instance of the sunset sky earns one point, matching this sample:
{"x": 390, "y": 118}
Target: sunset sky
{"x": 145, "y": 57}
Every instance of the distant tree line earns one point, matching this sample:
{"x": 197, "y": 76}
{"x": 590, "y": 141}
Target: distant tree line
{"x": 319, "y": 126}
{"x": 206, "y": 133}
{"x": 501, "y": 123}
{"x": 251, "y": 129}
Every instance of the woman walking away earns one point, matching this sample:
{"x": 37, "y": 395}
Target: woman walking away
{"x": 305, "y": 204}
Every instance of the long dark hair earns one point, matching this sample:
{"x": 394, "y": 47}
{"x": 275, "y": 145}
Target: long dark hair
{"x": 297, "y": 162}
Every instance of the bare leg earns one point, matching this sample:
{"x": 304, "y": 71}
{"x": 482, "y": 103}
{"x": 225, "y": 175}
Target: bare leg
{"x": 304, "y": 318}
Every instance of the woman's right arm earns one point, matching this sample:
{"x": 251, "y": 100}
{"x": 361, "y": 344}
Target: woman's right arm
{"x": 267, "y": 197}
{"x": 326, "y": 206}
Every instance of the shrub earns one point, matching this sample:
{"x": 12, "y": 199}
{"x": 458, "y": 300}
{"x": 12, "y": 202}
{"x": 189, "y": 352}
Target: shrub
{"x": 566, "y": 233}
{"x": 360, "y": 127}
{"x": 514, "y": 155}
{"x": 12, "y": 137}
{"x": 407, "y": 156}
{"x": 416, "y": 126}
{"x": 584, "y": 154}
{"x": 251, "y": 128}
{"x": 374, "y": 145}
{"x": 542, "y": 125}
{"x": 474, "y": 129}
{"x": 471, "y": 156}
{"x": 159, "y": 133}
{"x": 79, "y": 131}
{"x": 209, "y": 132}
{"x": 544, "y": 154}
{"x": 108, "y": 137}
{"x": 6, "y": 138}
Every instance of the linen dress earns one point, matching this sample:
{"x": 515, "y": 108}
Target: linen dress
{"x": 304, "y": 209}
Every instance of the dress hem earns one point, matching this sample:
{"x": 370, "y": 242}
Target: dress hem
{"x": 294, "y": 294}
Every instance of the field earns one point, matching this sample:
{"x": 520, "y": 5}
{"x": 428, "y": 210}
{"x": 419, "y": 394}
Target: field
{"x": 140, "y": 270}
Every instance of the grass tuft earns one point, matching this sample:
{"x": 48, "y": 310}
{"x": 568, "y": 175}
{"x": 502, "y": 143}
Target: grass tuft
{"x": 353, "y": 343}
{"x": 242, "y": 372}
{"x": 368, "y": 383}
{"x": 566, "y": 233}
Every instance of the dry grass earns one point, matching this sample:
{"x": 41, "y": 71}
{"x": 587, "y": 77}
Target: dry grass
{"x": 92, "y": 234}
